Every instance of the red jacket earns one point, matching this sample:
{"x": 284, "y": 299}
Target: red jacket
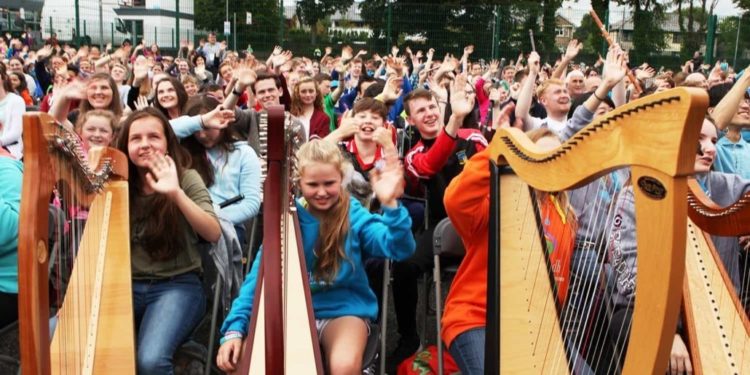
{"x": 320, "y": 124}
{"x": 433, "y": 163}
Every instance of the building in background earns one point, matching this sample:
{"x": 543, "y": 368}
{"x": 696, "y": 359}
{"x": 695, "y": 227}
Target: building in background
{"x": 104, "y": 21}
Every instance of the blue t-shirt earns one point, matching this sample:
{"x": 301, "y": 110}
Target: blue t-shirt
{"x": 733, "y": 157}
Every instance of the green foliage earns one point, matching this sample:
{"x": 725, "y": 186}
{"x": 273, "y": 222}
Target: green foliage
{"x": 446, "y": 26}
{"x": 262, "y": 34}
{"x": 312, "y": 11}
{"x": 588, "y": 34}
{"x": 727, "y": 37}
{"x": 648, "y": 37}
{"x": 693, "y": 22}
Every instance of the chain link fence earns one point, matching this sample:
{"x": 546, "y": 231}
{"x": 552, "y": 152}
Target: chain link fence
{"x": 666, "y": 38}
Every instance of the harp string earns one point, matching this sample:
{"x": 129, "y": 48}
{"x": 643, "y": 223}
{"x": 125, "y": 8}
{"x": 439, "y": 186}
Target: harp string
{"x": 603, "y": 212}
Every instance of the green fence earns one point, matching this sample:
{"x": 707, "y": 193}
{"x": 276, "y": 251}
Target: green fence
{"x": 663, "y": 37}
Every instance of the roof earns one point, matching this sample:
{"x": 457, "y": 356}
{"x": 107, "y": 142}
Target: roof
{"x": 670, "y": 24}
{"x": 351, "y": 14}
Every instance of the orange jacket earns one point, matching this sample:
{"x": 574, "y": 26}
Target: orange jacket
{"x": 467, "y": 202}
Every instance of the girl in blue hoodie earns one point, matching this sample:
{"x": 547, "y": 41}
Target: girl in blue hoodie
{"x": 337, "y": 233}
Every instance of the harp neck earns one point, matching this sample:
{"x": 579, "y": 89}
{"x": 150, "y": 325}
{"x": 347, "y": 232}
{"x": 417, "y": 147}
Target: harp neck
{"x": 724, "y": 221}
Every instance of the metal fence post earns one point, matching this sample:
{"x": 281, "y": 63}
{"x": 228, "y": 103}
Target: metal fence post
{"x": 388, "y": 27}
{"x": 495, "y": 32}
{"x": 281, "y": 22}
{"x": 710, "y": 38}
{"x": 172, "y": 37}
{"x": 112, "y": 32}
{"x": 605, "y": 45}
{"x": 737, "y": 40}
{"x": 177, "y": 21}
{"x": 78, "y": 26}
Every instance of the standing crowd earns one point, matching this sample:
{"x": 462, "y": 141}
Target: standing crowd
{"x": 395, "y": 144}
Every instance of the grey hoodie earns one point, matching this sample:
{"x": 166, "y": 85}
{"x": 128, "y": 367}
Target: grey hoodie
{"x": 724, "y": 189}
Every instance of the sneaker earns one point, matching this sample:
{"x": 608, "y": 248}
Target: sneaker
{"x": 407, "y": 346}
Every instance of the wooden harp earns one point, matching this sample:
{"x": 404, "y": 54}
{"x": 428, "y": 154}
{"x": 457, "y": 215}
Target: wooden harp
{"x": 282, "y": 338}
{"x": 94, "y": 333}
{"x": 655, "y": 136}
{"x": 717, "y": 326}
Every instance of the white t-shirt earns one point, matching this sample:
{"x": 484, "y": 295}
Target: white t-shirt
{"x": 30, "y": 84}
{"x": 552, "y": 124}
{"x": 12, "y": 108}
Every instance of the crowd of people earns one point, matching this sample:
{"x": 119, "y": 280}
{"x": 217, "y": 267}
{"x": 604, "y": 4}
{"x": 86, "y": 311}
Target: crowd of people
{"x": 395, "y": 144}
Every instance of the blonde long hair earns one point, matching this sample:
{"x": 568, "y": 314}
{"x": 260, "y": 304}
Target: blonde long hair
{"x": 334, "y": 223}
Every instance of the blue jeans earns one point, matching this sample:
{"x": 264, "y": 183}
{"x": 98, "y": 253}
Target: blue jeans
{"x": 166, "y": 312}
{"x": 467, "y": 350}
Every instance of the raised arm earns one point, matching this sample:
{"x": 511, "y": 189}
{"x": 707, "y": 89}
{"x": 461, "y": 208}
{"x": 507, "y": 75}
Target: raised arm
{"x": 570, "y": 53}
{"x": 61, "y": 104}
{"x": 526, "y": 94}
{"x": 727, "y": 107}
{"x": 244, "y": 77}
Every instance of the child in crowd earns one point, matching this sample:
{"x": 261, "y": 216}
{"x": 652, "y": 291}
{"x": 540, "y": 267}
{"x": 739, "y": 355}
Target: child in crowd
{"x": 337, "y": 232}
{"x": 11, "y": 172}
{"x": 170, "y": 210}
{"x": 97, "y": 128}
{"x": 229, "y": 167}
{"x": 724, "y": 189}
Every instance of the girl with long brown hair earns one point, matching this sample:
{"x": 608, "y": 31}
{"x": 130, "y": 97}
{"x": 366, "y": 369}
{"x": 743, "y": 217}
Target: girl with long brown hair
{"x": 337, "y": 233}
{"x": 307, "y": 106}
{"x": 170, "y": 210}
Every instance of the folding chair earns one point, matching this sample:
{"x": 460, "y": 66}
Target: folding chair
{"x": 445, "y": 242}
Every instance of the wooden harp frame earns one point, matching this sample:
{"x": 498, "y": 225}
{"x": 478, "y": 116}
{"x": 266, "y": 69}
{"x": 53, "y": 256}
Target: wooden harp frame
{"x": 656, "y": 137}
{"x": 108, "y": 320}
{"x": 717, "y": 327}
{"x": 282, "y": 263}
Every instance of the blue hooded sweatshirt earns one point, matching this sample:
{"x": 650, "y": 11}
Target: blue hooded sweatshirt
{"x": 370, "y": 235}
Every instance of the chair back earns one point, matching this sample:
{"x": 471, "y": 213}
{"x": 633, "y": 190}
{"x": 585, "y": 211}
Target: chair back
{"x": 446, "y": 241}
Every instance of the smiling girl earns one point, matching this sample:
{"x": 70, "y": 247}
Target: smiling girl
{"x": 724, "y": 189}
{"x": 170, "y": 209}
{"x": 337, "y": 233}
{"x": 99, "y": 92}
{"x": 171, "y": 97}
{"x": 307, "y": 106}
{"x": 96, "y": 128}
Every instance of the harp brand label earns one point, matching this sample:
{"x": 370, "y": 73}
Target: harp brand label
{"x": 652, "y": 187}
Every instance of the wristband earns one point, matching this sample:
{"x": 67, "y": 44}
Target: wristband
{"x": 234, "y": 91}
{"x": 200, "y": 119}
{"x": 600, "y": 99}
{"x": 230, "y": 335}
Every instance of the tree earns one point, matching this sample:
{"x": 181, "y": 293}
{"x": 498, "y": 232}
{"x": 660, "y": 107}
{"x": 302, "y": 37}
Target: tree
{"x": 648, "y": 36}
{"x": 262, "y": 34}
{"x": 590, "y": 35}
{"x": 727, "y": 39}
{"x": 693, "y": 22}
{"x": 312, "y": 11}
